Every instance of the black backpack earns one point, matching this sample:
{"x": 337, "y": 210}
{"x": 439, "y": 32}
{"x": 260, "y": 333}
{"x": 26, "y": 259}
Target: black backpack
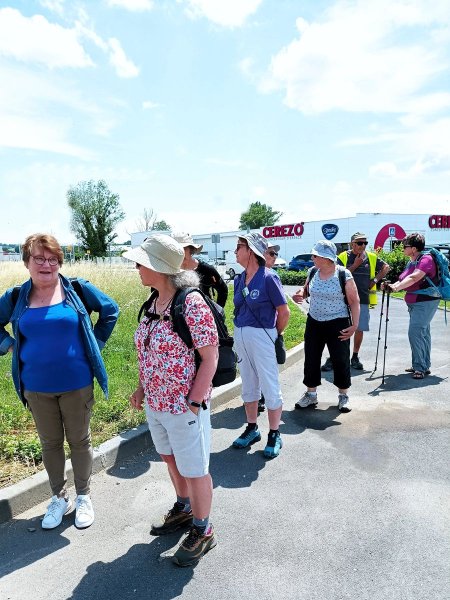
{"x": 226, "y": 365}
{"x": 75, "y": 284}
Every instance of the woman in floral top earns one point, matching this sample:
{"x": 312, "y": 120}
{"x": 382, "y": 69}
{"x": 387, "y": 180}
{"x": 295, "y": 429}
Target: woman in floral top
{"x": 175, "y": 394}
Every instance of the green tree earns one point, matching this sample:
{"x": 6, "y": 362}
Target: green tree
{"x": 95, "y": 213}
{"x": 161, "y": 226}
{"x": 258, "y": 215}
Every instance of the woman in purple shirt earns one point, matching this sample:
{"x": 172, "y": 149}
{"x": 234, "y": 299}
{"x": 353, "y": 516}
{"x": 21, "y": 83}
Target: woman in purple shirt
{"x": 261, "y": 314}
{"x": 420, "y": 306}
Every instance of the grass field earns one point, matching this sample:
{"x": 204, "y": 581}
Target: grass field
{"x": 20, "y": 451}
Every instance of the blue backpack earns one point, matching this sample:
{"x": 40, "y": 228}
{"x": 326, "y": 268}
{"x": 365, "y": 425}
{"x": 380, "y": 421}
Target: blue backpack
{"x": 440, "y": 287}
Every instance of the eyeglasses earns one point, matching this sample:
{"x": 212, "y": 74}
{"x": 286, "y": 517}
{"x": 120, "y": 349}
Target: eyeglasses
{"x": 40, "y": 260}
{"x": 407, "y": 246}
{"x": 241, "y": 246}
{"x": 272, "y": 253}
{"x": 361, "y": 243}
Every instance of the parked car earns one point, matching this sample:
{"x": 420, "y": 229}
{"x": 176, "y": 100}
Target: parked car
{"x": 300, "y": 262}
{"x": 233, "y": 269}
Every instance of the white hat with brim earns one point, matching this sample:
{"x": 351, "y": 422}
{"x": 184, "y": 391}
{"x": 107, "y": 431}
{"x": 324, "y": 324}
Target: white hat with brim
{"x": 325, "y": 249}
{"x": 275, "y": 248}
{"x": 187, "y": 240}
{"x": 161, "y": 253}
{"x": 256, "y": 243}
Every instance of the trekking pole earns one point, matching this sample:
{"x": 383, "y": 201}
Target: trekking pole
{"x": 386, "y": 328}
{"x": 379, "y": 328}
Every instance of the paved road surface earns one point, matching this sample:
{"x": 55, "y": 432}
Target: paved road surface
{"x": 356, "y": 507}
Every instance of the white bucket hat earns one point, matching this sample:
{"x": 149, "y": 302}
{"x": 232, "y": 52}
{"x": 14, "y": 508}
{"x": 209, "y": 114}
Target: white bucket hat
{"x": 256, "y": 243}
{"x": 325, "y": 249}
{"x": 275, "y": 248}
{"x": 185, "y": 239}
{"x": 158, "y": 252}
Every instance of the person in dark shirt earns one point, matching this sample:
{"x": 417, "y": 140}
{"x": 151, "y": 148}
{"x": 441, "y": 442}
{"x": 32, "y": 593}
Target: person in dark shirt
{"x": 211, "y": 283}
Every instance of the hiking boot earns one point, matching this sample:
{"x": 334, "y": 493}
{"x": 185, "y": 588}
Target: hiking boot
{"x": 308, "y": 399}
{"x": 274, "y": 445}
{"x": 327, "y": 365}
{"x": 175, "y": 519}
{"x": 195, "y": 545}
{"x": 57, "y": 508}
{"x": 84, "y": 512}
{"x": 344, "y": 403}
{"x": 355, "y": 363}
{"x": 249, "y": 437}
{"x": 261, "y": 405}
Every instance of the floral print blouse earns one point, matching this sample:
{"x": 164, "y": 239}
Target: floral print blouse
{"x": 166, "y": 364}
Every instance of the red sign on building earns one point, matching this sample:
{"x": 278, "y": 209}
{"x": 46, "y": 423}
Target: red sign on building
{"x": 439, "y": 222}
{"x": 280, "y": 231}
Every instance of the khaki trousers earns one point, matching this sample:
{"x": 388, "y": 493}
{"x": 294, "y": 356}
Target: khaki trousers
{"x": 66, "y": 413}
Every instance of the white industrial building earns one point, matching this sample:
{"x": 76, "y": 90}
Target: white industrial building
{"x": 296, "y": 238}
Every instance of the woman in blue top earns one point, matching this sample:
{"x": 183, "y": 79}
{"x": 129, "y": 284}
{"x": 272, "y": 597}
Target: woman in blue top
{"x": 56, "y": 354}
{"x": 261, "y": 314}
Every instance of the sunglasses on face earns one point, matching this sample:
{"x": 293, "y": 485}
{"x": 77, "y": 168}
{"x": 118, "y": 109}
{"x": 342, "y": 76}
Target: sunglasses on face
{"x": 241, "y": 246}
{"x": 272, "y": 253}
{"x": 361, "y": 243}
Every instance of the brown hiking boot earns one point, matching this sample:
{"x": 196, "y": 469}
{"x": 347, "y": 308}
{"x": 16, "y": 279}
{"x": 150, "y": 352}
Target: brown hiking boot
{"x": 175, "y": 519}
{"x": 194, "y": 546}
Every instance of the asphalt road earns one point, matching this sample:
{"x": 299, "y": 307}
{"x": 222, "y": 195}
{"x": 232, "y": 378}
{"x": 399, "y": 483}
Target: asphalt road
{"x": 355, "y": 507}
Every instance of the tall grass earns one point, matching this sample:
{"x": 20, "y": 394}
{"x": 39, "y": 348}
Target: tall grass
{"x": 20, "y": 451}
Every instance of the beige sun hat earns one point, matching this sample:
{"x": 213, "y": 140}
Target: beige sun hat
{"x": 256, "y": 243}
{"x": 158, "y": 252}
{"x": 185, "y": 239}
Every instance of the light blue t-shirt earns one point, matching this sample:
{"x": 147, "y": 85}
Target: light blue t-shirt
{"x": 326, "y": 300}
{"x": 52, "y": 351}
{"x": 255, "y": 304}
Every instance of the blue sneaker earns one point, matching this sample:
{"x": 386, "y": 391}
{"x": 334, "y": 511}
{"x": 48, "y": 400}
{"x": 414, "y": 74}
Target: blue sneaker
{"x": 274, "y": 445}
{"x": 246, "y": 439}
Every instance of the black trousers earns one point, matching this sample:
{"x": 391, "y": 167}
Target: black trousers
{"x": 317, "y": 335}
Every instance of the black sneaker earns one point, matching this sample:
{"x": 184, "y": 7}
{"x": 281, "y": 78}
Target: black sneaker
{"x": 261, "y": 405}
{"x": 195, "y": 545}
{"x": 175, "y": 519}
{"x": 355, "y": 363}
{"x": 327, "y": 365}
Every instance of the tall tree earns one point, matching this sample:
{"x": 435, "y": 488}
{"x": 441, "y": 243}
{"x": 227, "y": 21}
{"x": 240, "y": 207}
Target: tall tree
{"x": 95, "y": 213}
{"x": 161, "y": 226}
{"x": 258, "y": 215}
{"x": 148, "y": 222}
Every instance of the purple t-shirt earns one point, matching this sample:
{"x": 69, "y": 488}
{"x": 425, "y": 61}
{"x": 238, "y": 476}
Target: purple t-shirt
{"x": 257, "y": 308}
{"x": 426, "y": 264}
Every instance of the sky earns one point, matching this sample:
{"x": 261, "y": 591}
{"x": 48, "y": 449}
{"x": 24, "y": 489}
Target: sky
{"x": 196, "y": 108}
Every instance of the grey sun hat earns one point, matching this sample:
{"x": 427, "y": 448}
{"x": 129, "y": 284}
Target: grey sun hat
{"x": 158, "y": 252}
{"x": 256, "y": 243}
{"x": 185, "y": 239}
{"x": 275, "y": 248}
{"x": 325, "y": 249}
{"x": 358, "y": 236}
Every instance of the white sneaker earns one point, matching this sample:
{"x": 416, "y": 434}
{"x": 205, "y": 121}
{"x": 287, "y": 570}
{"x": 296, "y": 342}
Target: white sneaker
{"x": 55, "y": 512}
{"x": 344, "y": 403}
{"x": 84, "y": 512}
{"x": 308, "y": 399}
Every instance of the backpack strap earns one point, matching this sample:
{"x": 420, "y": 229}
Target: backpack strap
{"x": 147, "y": 304}
{"x": 75, "y": 284}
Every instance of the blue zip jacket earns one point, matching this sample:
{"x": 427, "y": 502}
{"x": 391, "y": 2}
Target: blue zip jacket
{"x": 94, "y": 338}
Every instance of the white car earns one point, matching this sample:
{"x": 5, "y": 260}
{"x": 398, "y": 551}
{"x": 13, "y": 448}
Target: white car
{"x": 233, "y": 269}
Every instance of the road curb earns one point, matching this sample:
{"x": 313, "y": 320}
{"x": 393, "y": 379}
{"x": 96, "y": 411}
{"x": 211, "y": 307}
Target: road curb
{"x": 19, "y": 497}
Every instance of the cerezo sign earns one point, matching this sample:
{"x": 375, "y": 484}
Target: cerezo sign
{"x": 439, "y": 222}
{"x": 284, "y": 231}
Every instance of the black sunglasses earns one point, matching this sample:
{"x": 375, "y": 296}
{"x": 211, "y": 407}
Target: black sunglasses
{"x": 272, "y": 253}
{"x": 361, "y": 243}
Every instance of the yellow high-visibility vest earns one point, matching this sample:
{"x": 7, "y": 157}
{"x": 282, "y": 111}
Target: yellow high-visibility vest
{"x": 372, "y": 258}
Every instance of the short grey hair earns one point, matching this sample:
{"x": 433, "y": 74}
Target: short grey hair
{"x": 184, "y": 279}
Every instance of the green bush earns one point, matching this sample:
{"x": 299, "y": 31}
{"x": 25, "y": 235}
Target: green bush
{"x": 396, "y": 260}
{"x": 292, "y": 277}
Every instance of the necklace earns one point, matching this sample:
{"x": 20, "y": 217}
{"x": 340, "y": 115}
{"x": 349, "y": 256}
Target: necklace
{"x": 162, "y": 306}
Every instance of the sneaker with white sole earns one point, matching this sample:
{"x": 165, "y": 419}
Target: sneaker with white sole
{"x": 308, "y": 399}
{"x": 84, "y": 511}
{"x": 344, "y": 403}
{"x": 57, "y": 508}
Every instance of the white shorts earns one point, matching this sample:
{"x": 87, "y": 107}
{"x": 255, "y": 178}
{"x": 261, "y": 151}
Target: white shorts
{"x": 186, "y": 436}
{"x": 258, "y": 366}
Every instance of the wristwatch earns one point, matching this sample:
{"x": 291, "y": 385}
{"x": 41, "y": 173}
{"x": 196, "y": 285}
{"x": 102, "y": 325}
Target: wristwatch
{"x": 375, "y": 280}
{"x": 192, "y": 403}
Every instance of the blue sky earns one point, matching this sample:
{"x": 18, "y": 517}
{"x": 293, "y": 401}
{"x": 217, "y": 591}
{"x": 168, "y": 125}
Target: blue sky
{"x": 195, "y": 108}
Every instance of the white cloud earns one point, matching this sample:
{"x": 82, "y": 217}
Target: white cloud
{"x": 383, "y": 169}
{"x": 55, "y": 6}
{"x": 124, "y": 67}
{"x": 227, "y": 13}
{"x": 132, "y": 5}
{"x": 258, "y": 191}
{"x": 149, "y": 105}
{"x": 35, "y": 40}
{"x": 364, "y": 57}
